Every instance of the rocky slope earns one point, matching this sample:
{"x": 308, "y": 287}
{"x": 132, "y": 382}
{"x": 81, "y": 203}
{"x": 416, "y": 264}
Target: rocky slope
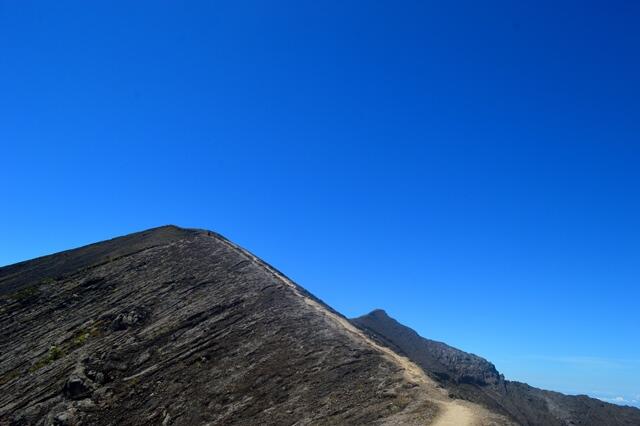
{"x": 182, "y": 327}
{"x": 473, "y": 378}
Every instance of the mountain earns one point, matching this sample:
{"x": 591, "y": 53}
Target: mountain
{"x": 472, "y": 378}
{"x": 175, "y": 326}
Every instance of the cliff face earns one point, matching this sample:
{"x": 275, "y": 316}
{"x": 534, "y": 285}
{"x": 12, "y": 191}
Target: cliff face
{"x": 446, "y": 363}
{"x": 472, "y": 378}
{"x": 174, "y": 326}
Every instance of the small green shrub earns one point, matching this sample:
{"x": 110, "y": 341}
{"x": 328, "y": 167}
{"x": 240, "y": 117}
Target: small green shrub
{"x": 54, "y": 353}
{"x": 81, "y": 338}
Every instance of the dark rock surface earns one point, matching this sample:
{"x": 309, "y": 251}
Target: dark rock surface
{"x": 473, "y": 378}
{"x": 174, "y": 326}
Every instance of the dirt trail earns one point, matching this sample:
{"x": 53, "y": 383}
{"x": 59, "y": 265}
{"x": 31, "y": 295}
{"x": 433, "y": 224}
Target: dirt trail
{"x": 456, "y": 414}
{"x": 452, "y": 412}
{"x": 412, "y": 371}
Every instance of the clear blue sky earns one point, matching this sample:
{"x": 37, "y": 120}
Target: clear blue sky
{"x": 471, "y": 167}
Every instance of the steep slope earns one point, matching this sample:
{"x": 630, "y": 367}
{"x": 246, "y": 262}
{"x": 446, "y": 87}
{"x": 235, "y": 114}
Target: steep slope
{"x": 473, "y": 378}
{"x": 24, "y": 274}
{"x": 175, "y": 326}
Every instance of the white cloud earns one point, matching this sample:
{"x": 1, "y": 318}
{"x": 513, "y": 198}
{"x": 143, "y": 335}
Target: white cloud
{"x": 615, "y": 400}
{"x": 620, "y": 400}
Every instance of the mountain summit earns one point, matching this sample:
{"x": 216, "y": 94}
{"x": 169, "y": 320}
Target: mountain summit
{"x": 175, "y": 326}
{"x": 178, "y": 326}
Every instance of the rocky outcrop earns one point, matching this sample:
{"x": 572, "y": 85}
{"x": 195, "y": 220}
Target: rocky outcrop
{"x": 470, "y": 377}
{"x": 445, "y": 362}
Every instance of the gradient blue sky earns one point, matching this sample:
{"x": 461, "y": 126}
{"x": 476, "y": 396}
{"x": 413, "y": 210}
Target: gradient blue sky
{"x": 471, "y": 167}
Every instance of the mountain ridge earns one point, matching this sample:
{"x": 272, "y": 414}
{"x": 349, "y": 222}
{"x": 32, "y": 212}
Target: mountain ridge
{"x": 173, "y": 326}
{"x": 470, "y": 377}
{"x": 183, "y": 326}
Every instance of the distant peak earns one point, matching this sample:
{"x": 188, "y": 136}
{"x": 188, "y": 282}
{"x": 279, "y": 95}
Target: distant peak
{"x": 378, "y": 315}
{"x": 171, "y": 225}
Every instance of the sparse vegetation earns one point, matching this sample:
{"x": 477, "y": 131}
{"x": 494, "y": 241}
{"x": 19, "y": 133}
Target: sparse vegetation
{"x": 29, "y": 293}
{"x": 79, "y": 338}
{"x": 55, "y": 352}
{"x": 26, "y": 293}
{"x": 83, "y": 334}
